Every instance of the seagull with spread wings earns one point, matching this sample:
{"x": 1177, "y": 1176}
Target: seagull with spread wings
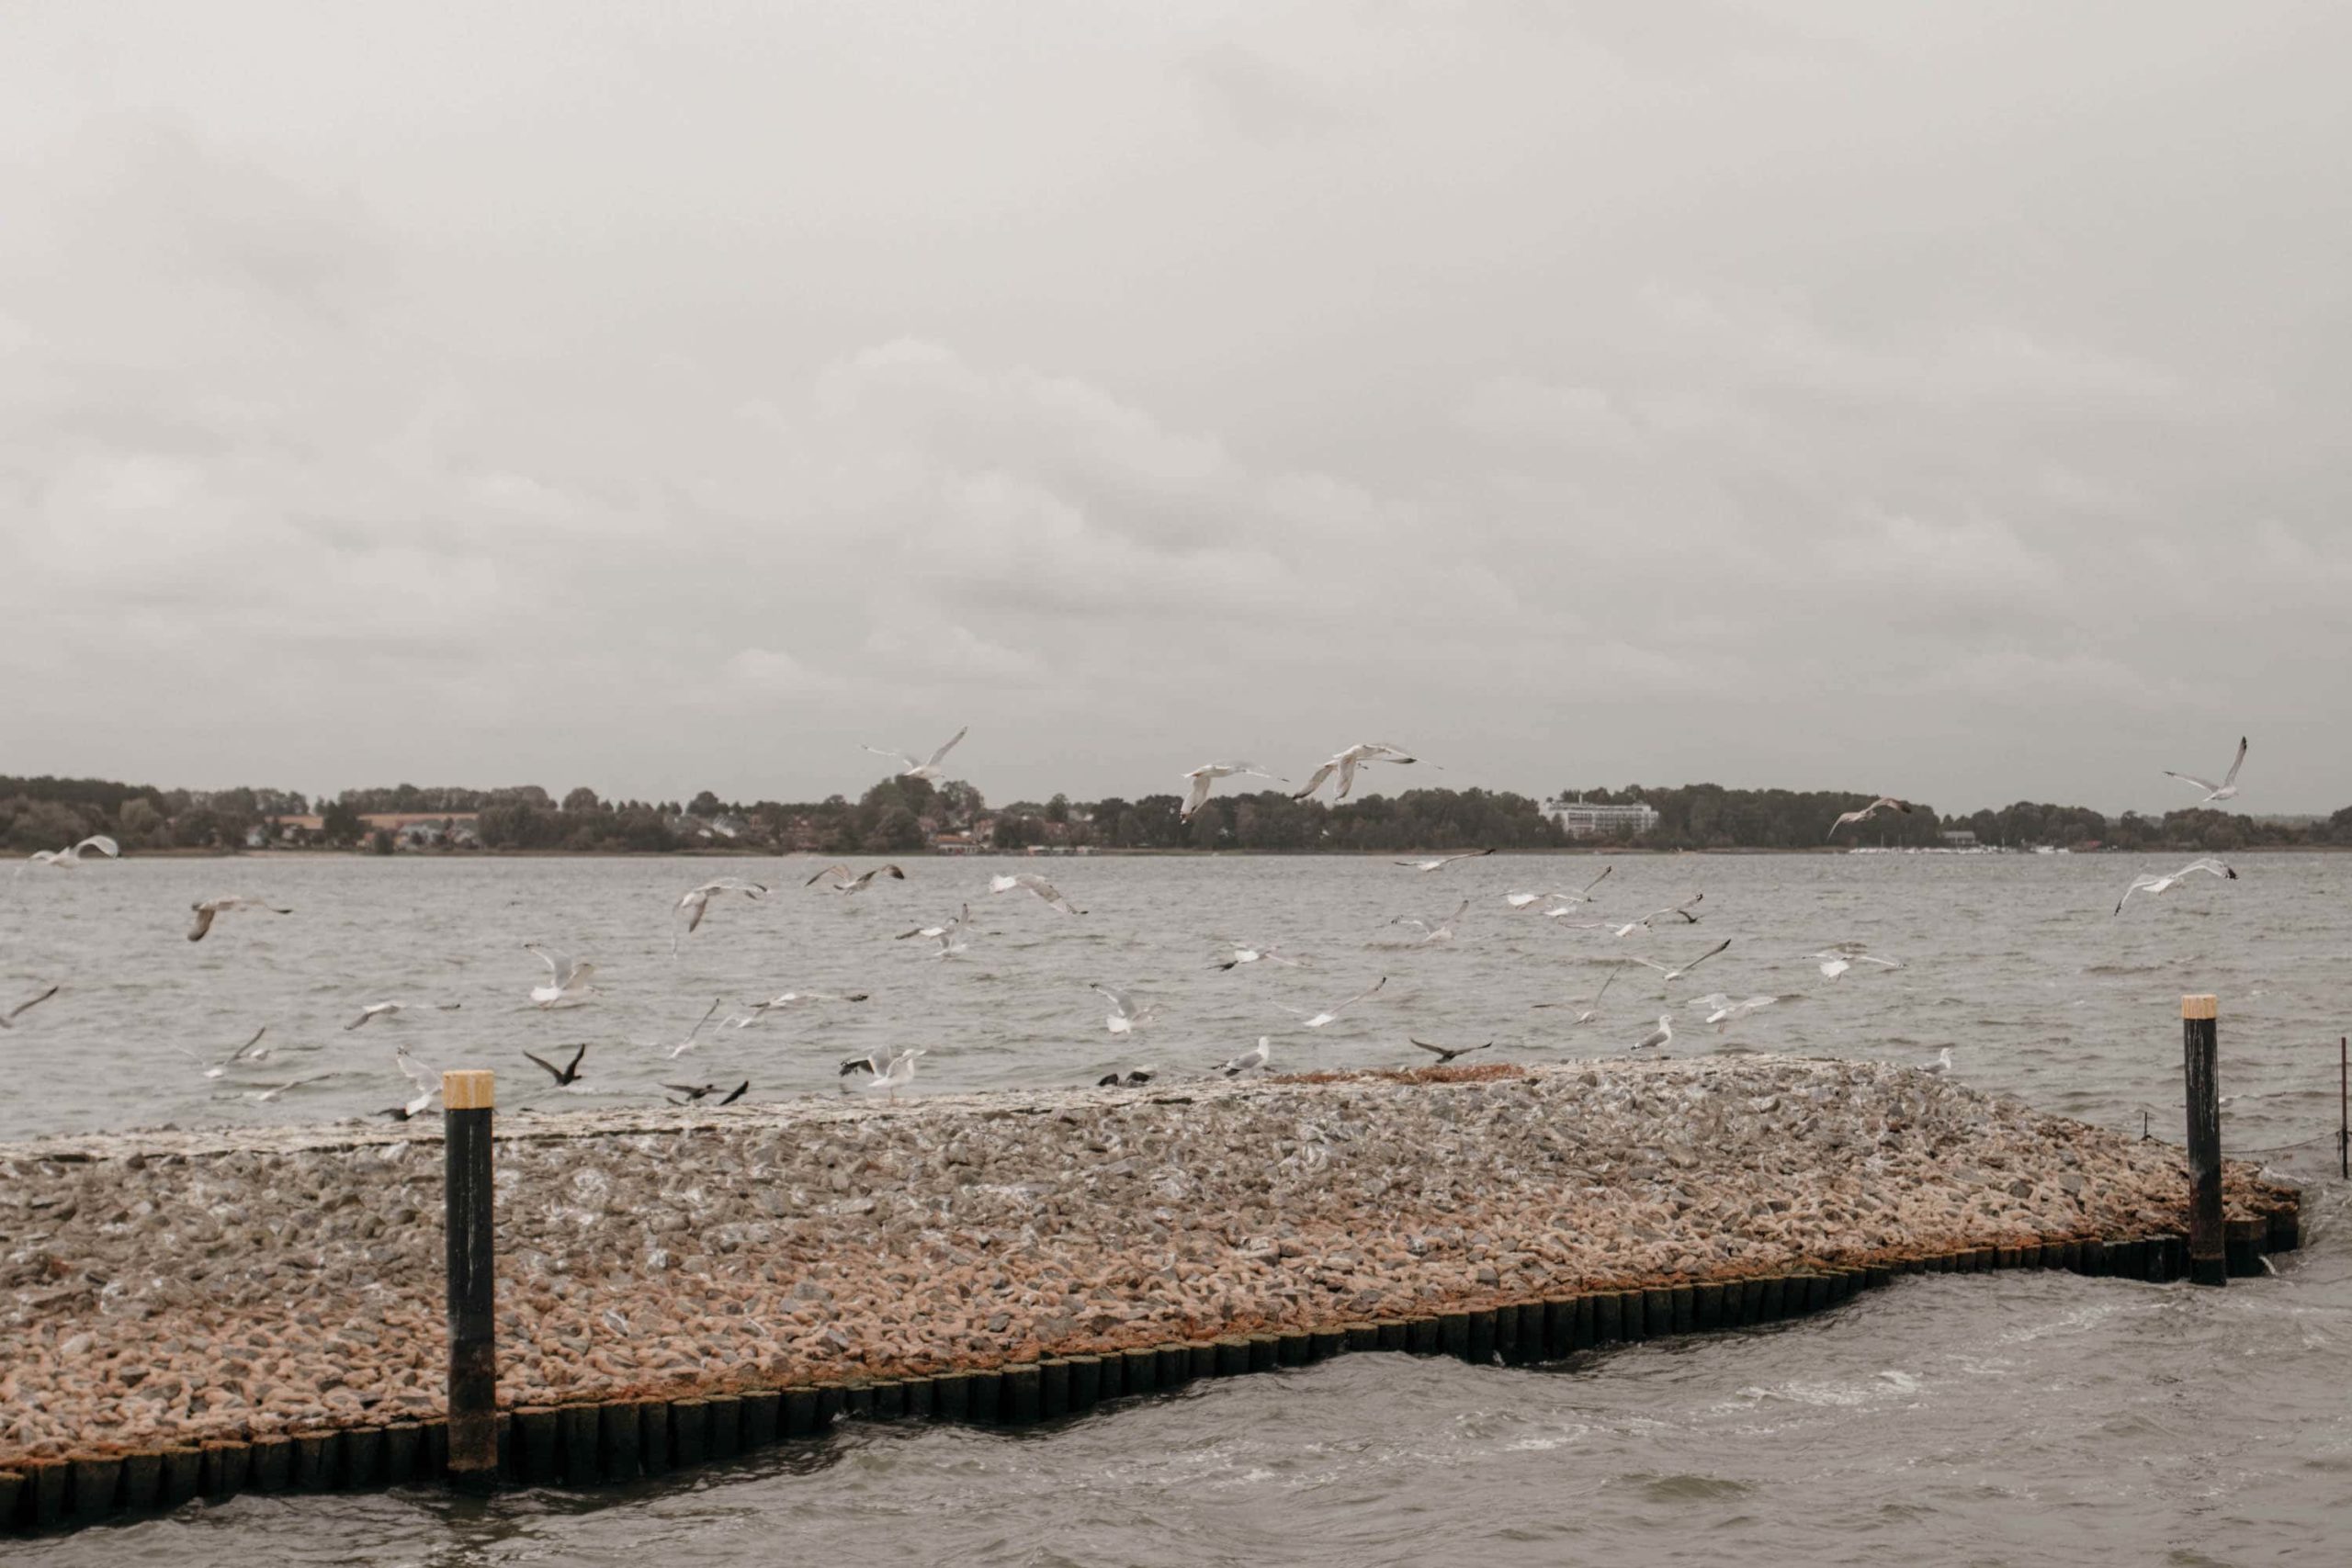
{"x": 921, "y": 768}
{"x": 2151, "y": 885}
{"x": 948, "y": 934}
{"x": 1562, "y": 900}
{"x": 1247, "y": 954}
{"x": 844, "y": 882}
{"x": 1126, "y": 1016}
{"x": 207, "y": 909}
{"x": 695, "y": 903}
{"x": 1316, "y": 1021}
{"x": 1345, "y": 763}
{"x": 1432, "y": 935}
{"x": 1208, "y": 773}
{"x": 1884, "y": 803}
{"x": 1649, "y": 923}
{"x": 565, "y": 1075}
{"x": 251, "y": 1051}
{"x": 1445, "y": 1053}
{"x": 1671, "y": 972}
{"x": 1439, "y": 863}
{"x": 1030, "y": 882}
{"x": 1591, "y": 1009}
{"x": 2216, "y": 793}
{"x": 567, "y": 978}
{"x": 68, "y": 858}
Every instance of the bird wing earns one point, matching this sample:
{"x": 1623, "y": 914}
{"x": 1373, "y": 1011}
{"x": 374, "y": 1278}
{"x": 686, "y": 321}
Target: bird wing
{"x": 838, "y": 872}
{"x": 2227, "y": 779}
{"x": 856, "y": 1065}
{"x": 1314, "y": 781}
{"x": 21, "y": 1006}
{"x": 701, "y": 906}
{"x": 573, "y": 1071}
{"x": 557, "y": 963}
{"x": 738, "y": 1092}
{"x": 1198, "y": 795}
{"x": 203, "y": 921}
{"x": 1347, "y": 775}
{"x": 1654, "y": 964}
{"x": 1360, "y": 996}
{"x": 2207, "y": 785}
{"x": 113, "y": 850}
{"x": 1438, "y": 1051}
{"x": 942, "y": 752}
{"x": 909, "y": 761}
{"x": 552, "y": 1070}
{"x": 1118, "y": 1000}
{"x": 1598, "y": 880}
{"x": 1704, "y": 956}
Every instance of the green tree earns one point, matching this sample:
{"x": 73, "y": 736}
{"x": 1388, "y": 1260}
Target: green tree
{"x": 339, "y": 824}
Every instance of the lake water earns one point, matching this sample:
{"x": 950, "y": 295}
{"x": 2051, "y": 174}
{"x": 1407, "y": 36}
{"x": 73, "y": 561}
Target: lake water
{"x": 2011, "y": 1419}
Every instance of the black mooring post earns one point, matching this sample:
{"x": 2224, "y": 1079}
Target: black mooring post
{"x": 2199, "y": 1050}
{"x": 2342, "y": 1106}
{"x": 466, "y": 1099}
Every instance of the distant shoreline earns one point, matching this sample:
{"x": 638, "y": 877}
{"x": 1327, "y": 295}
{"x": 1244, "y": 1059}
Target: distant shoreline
{"x": 711, "y": 852}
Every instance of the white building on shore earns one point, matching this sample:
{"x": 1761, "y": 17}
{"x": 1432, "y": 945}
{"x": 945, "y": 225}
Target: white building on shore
{"x": 1580, "y": 820}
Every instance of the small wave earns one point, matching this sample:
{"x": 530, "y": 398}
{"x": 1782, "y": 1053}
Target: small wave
{"x": 1692, "y": 1488}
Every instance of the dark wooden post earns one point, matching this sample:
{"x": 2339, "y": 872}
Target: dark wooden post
{"x": 466, "y": 1099}
{"x": 2199, "y": 1047}
{"x": 2343, "y": 1108}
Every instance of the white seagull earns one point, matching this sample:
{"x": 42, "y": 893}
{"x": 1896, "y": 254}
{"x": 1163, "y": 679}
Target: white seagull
{"x": 1208, "y": 773}
{"x": 1670, "y": 973}
{"x": 567, "y": 978}
{"x": 266, "y": 1095}
{"x": 877, "y": 1061}
{"x": 207, "y": 909}
{"x": 1884, "y": 803}
{"x": 245, "y": 1053}
{"x": 1243, "y": 955}
{"x": 9, "y": 1019}
{"x": 1433, "y": 935}
{"x": 1029, "y": 881}
{"x": 948, "y": 934}
{"x": 427, "y": 1084}
{"x": 373, "y": 1012}
{"x": 1728, "y": 1011}
{"x": 2152, "y": 885}
{"x": 1591, "y": 1012}
{"x": 918, "y": 768}
{"x": 1440, "y": 861}
{"x": 1345, "y": 763}
{"x": 1318, "y": 1021}
{"x": 784, "y": 999}
{"x": 1126, "y": 1017}
{"x": 897, "y": 1075}
{"x": 844, "y": 882}
{"x": 1940, "y": 1066}
{"x": 1445, "y": 1053}
{"x": 1521, "y": 900}
{"x": 1836, "y": 960}
{"x": 70, "y": 856}
{"x": 1257, "y": 1058}
{"x": 1662, "y": 1035}
{"x": 2226, "y": 790}
{"x": 695, "y": 903}
{"x": 683, "y": 1047}
{"x": 1648, "y": 922}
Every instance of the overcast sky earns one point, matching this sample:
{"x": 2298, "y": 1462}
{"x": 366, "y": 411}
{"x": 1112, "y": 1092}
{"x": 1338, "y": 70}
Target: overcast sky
{"x": 1943, "y": 400}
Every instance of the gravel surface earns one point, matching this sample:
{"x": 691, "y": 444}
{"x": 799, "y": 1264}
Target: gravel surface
{"x": 172, "y": 1287}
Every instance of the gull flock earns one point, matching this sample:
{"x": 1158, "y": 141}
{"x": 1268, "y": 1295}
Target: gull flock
{"x": 889, "y": 1071}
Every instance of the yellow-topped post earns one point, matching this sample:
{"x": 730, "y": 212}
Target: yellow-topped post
{"x": 466, "y": 1099}
{"x": 2208, "y": 1261}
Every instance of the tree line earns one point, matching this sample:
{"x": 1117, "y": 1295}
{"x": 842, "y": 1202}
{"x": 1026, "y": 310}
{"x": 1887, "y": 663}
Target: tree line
{"x": 909, "y": 815}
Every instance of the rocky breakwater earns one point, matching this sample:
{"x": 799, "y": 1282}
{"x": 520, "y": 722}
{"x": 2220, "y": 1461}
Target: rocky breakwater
{"x": 170, "y": 1288}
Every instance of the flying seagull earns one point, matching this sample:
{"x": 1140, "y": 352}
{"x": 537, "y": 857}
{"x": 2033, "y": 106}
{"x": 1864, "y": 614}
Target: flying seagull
{"x": 1133, "y": 1077}
{"x": 693, "y": 1092}
{"x": 1433, "y": 935}
{"x": 696, "y": 902}
{"x": 1445, "y": 1053}
{"x": 9, "y": 1019}
{"x": 844, "y": 882}
{"x": 1318, "y": 1020}
{"x": 917, "y": 768}
{"x": 1593, "y": 1011}
{"x": 1662, "y": 1035}
{"x": 567, "y": 976}
{"x": 1243, "y": 955}
{"x": 897, "y": 1075}
{"x": 266, "y": 1096}
{"x": 427, "y": 1084}
{"x": 565, "y": 1075}
{"x": 70, "y": 856}
{"x": 245, "y": 1052}
{"x": 1440, "y": 861}
{"x": 948, "y": 934}
{"x": 1345, "y": 763}
{"x": 1521, "y": 900}
{"x": 1208, "y": 773}
{"x": 1836, "y": 960}
{"x": 683, "y": 1047}
{"x": 1030, "y": 881}
{"x": 2156, "y": 885}
{"x": 1726, "y": 1012}
{"x": 210, "y": 907}
{"x": 1648, "y": 922}
{"x": 1884, "y": 803}
{"x": 2226, "y": 790}
{"x": 1257, "y": 1058}
{"x": 1126, "y": 1017}
{"x": 1667, "y": 974}
{"x": 373, "y": 1012}
{"x": 877, "y": 1061}
{"x": 784, "y": 999}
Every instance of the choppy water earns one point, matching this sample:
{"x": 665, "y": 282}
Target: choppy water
{"x": 2008, "y": 1419}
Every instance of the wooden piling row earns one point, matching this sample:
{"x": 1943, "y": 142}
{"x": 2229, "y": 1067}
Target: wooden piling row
{"x": 582, "y": 1446}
